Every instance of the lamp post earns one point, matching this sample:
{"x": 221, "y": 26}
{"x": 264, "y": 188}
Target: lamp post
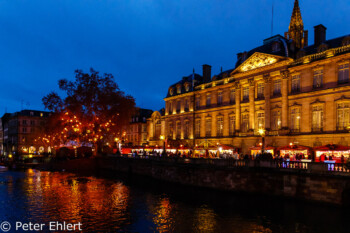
{"x": 162, "y": 137}
{"x": 116, "y": 140}
{"x": 262, "y": 134}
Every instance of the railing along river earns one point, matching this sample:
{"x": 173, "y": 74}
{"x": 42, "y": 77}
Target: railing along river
{"x": 303, "y": 166}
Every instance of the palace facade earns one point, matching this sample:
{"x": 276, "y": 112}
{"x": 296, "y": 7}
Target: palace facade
{"x": 291, "y": 91}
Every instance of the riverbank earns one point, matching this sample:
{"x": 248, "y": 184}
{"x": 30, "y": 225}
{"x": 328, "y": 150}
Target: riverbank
{"x": 302, "y": 181}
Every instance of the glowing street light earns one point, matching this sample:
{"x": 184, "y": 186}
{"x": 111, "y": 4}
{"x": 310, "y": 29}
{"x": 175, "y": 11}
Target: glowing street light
{"x": 262, "y": 134}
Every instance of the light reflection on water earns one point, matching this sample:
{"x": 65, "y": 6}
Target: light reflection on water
{"x": 121, "y": 206}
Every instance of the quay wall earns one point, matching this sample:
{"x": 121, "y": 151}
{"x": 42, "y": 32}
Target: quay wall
{"x": 310, "y": 184}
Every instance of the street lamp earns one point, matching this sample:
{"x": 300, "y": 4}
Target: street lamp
{"x": 162, "y": 137}
{"x": 262, "y": 134}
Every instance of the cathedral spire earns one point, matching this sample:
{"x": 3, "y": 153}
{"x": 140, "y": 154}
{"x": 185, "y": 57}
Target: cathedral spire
{"x": 296, "y": 28}
{"x": 296, "y": 20}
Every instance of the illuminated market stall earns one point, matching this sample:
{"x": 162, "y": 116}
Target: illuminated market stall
{"x": 295, "y": 152}
{"x": 332, "y": 153}
{"x": 257, "y": 150}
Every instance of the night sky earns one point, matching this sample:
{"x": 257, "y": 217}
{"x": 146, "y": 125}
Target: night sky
{"x": 147, "y": 45}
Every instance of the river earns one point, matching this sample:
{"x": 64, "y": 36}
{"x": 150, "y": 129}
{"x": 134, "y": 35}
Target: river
{"x": 122, "y": 204}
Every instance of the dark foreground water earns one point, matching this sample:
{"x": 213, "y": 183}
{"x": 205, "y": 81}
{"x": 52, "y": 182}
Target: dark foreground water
{"x": 140, "y": 205}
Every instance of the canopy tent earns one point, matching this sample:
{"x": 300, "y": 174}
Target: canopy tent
{"x": 333, "y": 152}
{"x": 257, "y": 150}
{"x": 292, "y": 151}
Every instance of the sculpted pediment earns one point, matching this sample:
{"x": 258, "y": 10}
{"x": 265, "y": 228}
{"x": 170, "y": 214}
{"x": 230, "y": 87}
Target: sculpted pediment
{"x": 259, "y": 60}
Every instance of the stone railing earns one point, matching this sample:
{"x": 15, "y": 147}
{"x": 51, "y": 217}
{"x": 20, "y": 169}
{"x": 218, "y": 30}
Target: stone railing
{"x": 298, "y": 166}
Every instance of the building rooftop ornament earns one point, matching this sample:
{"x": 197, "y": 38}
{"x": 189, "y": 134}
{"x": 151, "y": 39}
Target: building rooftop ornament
{"x": 296, "y": 28}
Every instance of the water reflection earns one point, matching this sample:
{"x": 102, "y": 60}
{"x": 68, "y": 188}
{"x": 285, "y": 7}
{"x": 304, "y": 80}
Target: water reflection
{"x": 136, "y": 206}
{"x": 204, "y": 220}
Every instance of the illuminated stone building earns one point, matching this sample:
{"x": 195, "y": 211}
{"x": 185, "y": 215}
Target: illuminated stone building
{"x": 136, "y": 132}
{"x": 297, "y": 93}
{"x": 20, "y": 130}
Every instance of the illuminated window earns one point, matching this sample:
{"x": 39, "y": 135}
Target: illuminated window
{"x": 178, "y": 89}
{"x": 198, "y": 128}
{"x": 41, "y": 114}
{"x": 186, "y": 105}
{"x": 186, "y": 129}
{"x": 343, "y": 73}
{"x": 260, "y": 93}
{"x": 178, "y": 106}
{"x": 158, "y": 129}
{"x": 343, "y": 116}
{"x": 220, "y": 126}
{"x": 246, "y": 93}
{"x": 295, "y": 119}
{"x": 317, "y": 118}
{"x": 178, "y": 129}
{"x": 208, "y": 100}
{"x": 232, "y": 124}
{"x": 245, "y": 122}
{"x": 318, "y": 78}
{"x": 208, "y": 127}
{"x": 276, "y": 120}
{"x": 170, "y": 107}
{"x": 277, "y": 87}
{"x": 198, "y": 102}
{"x": 232, "y": 96}
{"x": 260, "y": 117}
{"x": 296, "y": 83}
{"x": 170, "y": 130}
{"x": 219, "y": 97}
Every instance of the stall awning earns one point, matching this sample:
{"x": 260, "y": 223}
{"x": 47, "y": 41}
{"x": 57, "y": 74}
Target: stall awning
{"x": 293, "y": 147}
{"x": 259, "y": 148}
{"x": 332, "y": 147}
{"x": 227, "y": 147}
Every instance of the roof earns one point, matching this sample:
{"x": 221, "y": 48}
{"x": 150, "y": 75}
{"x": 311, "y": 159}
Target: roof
{"x": 332, "y": 43}
{"x": 267, "y": 48}
{"x": 223, "y": 74}
{"x": 294, "y": 147}
{"x": 332, "y": 147}
{"x": 28, "y": 112}
{"x": 198, "y": 79}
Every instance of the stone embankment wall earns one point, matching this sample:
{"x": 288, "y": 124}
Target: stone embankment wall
{"x": 312, "y": 186}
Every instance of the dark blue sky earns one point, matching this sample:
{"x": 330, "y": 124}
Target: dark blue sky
{"x": 147, "y": 45}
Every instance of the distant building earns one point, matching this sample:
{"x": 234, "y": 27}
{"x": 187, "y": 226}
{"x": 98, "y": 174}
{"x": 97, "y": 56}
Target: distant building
{"x": 292, "y": 91}
{"x": 20, "y": 130}
{"x": 136, "y": 133}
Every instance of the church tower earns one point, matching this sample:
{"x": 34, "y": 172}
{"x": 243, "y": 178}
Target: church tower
{"x": 296, "y": 28}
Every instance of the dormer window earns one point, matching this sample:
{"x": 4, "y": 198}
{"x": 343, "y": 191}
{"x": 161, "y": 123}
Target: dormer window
{"x": 187, "y": 87}
{"x": 178, "y": 89}
{"x": 276, "y": 47}
{"x": 322, "y": 48}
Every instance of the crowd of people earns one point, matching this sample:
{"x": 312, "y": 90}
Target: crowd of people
{"x": 237, "y": 156}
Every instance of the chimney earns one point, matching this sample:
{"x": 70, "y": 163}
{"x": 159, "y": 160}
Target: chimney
{"x": 320, "y": 34}
{"x": 206, "y": 73}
